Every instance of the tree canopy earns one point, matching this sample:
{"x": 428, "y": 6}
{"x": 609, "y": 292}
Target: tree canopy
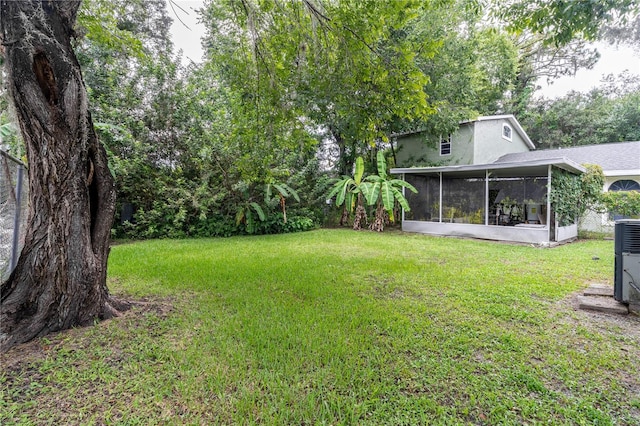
{"x": 605, "y": 114}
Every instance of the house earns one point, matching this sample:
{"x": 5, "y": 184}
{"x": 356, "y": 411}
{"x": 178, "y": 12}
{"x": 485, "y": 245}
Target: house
{"x": 487, "y": 181}
{"x": 479, "y": 141}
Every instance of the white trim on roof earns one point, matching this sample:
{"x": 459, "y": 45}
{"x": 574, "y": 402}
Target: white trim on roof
{"x": 629, "y": 172}
{"x": 563, "y": 163}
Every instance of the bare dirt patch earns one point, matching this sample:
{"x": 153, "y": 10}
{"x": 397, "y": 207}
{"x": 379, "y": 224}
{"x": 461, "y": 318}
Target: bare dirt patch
{"x": 626, "y": 325}
{"x": 19, "y": 357}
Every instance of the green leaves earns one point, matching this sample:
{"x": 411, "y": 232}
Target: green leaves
{"x": 385, "y": 190}
{"x": 378, "y": 189}
{"x": 101, "y": 22}
{"x": 382, "y": 165}
{"x": 572, "y": 194}
{"x": 343, "y": 189}
{"x": 625, "y": 203}
{"x": 285, "y": 190}
{"x": 346, "y": 66}
{"x": 606, "y": 114}
{"x": 359, "y": 171}
{"x": 563, "y": 20}
{"x": 6, "y": 130}
{"x": 370, "y": 191}
{"x": 245, "y": 215}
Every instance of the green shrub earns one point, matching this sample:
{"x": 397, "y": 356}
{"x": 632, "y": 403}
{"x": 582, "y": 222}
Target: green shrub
{"x": 626, "y": 203}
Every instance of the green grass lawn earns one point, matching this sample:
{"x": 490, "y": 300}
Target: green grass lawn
{"x": 340, "y": 327}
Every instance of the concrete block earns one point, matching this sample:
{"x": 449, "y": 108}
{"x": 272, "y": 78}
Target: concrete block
{"x": 602, "y": 304}
{"x": 599, "y": 290}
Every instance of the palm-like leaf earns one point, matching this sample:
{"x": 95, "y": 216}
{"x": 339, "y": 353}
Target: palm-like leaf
{"x": 350, "y": 203}
{"x": 342, "y": 194}
{"x": 334, "y": 189}
{"x": 249, "y": 222}
{"x": 382, "y": 165}
{"x": 258, "y": 210}
{"x": 240, "y": 216}
{"x": 401, "y": 199}
{"x": 7, "y": 129}
{"x": 357, "y": 176}
{"x": 403, "y": 183}
{"x": 341, "y": 189}
{"x": 371, "y": 191}
{"x": 387, "y": 195}
{"x": 293, "y": 193}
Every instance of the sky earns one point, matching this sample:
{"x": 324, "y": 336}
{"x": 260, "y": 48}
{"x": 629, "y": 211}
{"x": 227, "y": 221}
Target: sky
{"x": 186, "y": 36}
{"x": 613, "y": 60}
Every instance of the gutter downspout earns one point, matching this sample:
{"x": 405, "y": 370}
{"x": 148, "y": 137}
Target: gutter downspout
{"x": 486, "y": 197}
{"x": 549, "y": 183}
{"x": 404, "y": 178}
{"x": 440, "y": 202}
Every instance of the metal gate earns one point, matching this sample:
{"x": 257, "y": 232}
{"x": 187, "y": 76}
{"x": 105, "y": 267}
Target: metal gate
{"x": 13, "y": 211}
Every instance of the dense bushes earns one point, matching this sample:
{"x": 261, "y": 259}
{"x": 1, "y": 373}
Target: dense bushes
{"x": 625, "y": 203}
{"x": 155, "y": 224}
{"x": 172, "y": 205}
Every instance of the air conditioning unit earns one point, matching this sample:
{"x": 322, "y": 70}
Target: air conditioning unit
{"x": 626, "y": 287}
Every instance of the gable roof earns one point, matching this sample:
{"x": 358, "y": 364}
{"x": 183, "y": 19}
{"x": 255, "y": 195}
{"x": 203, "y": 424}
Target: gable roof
{"x": 612, "y": 157}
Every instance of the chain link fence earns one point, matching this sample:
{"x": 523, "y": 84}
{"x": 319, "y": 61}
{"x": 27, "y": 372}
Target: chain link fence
{"x": 13, "y": 211}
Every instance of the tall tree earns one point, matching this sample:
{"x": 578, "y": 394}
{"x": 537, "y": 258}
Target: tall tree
{"x": 537, "y": 59}
{"x": 552, "y": 35}
{"x": 346, "y": 66}
{"x": 608, "y": 113}
{"x": 623, "y": 31}
{"x": 60, "y": 278}
{"x": 469, "y": 72}
{"x": 562, "y": 21}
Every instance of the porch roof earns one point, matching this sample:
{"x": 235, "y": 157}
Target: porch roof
{"x": 515, "y": 168}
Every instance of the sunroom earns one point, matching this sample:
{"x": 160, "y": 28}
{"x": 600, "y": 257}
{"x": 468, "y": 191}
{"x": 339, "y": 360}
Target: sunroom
{"x": 497, "y": 201}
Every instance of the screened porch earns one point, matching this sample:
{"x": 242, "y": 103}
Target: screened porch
{"x": 502, "y": 201}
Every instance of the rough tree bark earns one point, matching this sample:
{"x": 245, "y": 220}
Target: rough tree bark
{"x": 60, "y": 278}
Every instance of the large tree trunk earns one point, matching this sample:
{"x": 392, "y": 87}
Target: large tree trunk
{"x": 60, "y": 278}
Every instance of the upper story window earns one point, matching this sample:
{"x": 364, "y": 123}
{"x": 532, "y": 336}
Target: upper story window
{"x": 506, "y": 132}
{"x": 445, "y": 145}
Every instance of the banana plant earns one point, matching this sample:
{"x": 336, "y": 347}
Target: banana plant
{"x": 283, "y": 191}
{"x": 383, "y": 190}
{"x": 245, "y": 214}
{"x": 347, "y": 191}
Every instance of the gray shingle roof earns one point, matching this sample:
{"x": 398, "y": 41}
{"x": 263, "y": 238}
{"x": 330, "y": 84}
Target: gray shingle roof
{"x": 609, "y": 156}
